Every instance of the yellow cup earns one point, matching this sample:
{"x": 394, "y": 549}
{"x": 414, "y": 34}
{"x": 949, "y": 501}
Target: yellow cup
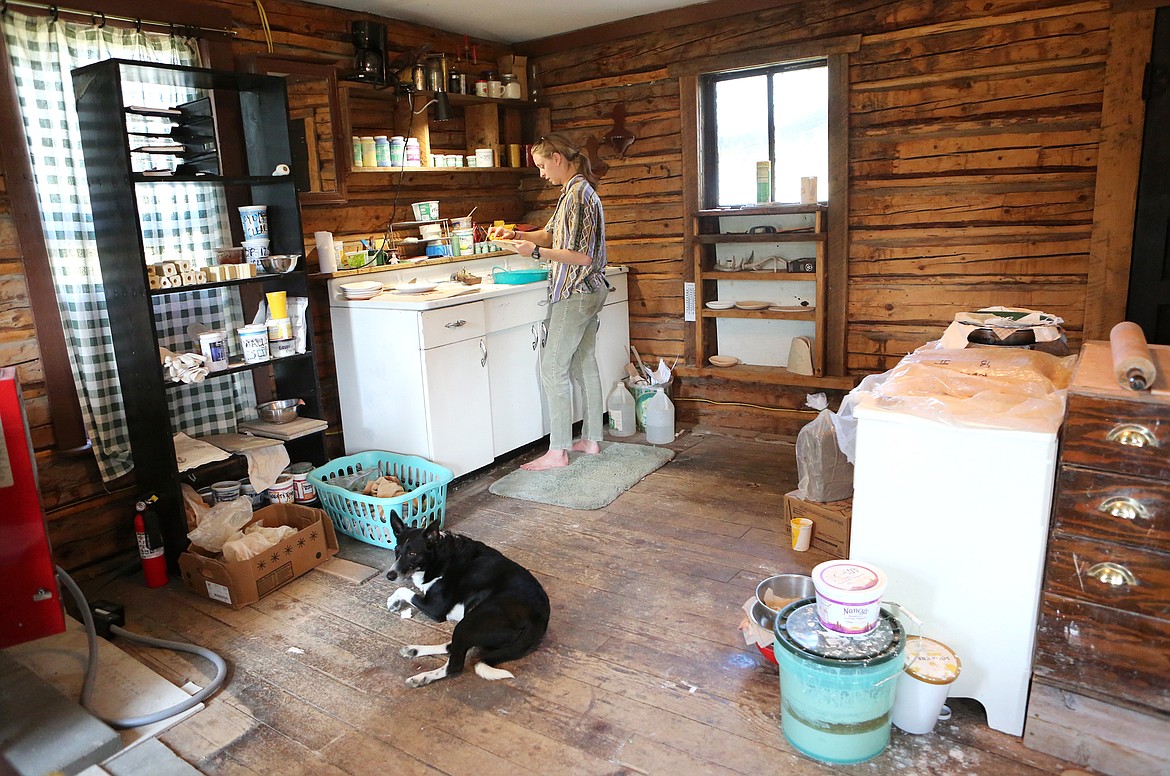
{"x": 277, "y": 304}
{"x": 802, "y": 529}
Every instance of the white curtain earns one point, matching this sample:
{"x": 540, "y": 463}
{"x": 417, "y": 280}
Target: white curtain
{"x": 42, "y": 53}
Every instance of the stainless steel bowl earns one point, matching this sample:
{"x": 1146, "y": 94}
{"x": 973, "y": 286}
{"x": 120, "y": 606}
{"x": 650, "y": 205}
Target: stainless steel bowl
{"x": 280, "y": 411}
{"x": 788, "y": 587}
{"x": 280, "y": 262}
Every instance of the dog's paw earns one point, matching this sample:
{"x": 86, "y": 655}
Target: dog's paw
{"x": 408, "y": 651}
{"x": 398, "y": 599}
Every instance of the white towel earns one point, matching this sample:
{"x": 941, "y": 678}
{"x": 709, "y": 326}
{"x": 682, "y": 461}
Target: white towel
{"x": 265, "y": 465}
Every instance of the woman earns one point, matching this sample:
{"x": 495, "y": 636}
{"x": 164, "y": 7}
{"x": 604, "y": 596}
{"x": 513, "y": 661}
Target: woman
{"x": 573, "y": 243}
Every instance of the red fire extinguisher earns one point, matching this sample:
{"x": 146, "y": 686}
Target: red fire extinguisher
{"x": 150, "y": 544}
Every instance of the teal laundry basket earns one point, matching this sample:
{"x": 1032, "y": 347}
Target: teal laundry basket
{"x": 367, "y": 518}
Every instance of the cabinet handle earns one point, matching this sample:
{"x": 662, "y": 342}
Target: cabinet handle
{"x": 1124, "y": 508}
{"x": 455, "y": 324}
{"x": 1112, "y": 574}
{"x": 483, "y": 350}
{"x": 1132, "y": 435}
{"x": 535, "y": 338}
{"x": 543, "y": 333}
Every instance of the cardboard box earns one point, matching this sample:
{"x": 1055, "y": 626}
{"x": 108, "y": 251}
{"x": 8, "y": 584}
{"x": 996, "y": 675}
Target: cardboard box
{"x": 247, "y": 581}
{"x": 830, "y": 522}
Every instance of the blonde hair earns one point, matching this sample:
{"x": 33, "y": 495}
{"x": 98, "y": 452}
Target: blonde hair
{"x": 560, "y": 143}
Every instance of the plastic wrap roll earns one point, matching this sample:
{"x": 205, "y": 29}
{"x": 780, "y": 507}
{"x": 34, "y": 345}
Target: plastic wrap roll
{"x": 1132, "y": 364}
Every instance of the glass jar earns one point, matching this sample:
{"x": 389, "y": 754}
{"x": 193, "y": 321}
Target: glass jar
{"x": 511, "y": 86}
{"x": 456, "y": 82}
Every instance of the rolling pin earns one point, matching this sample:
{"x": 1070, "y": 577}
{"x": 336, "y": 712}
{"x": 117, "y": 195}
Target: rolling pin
{"x": 1132, "y": 365}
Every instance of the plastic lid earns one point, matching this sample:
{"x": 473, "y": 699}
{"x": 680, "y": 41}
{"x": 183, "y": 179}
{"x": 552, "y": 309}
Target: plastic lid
{"x": 848, "y": 581}
{"x": 931, "y": 661}
{"x": 799, "y": 630}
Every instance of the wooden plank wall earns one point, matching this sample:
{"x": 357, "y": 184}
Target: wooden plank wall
{"x": 974, "y": 131}
{"x": 973, "y": 147}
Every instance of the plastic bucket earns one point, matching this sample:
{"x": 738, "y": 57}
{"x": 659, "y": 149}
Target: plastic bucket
{"x": 836, "y": 711}
{"x": 282, "y": 491}
{"x": 931, "y": 667}
{"x": 849, "y": 596}
{"x": 254, "y": 342}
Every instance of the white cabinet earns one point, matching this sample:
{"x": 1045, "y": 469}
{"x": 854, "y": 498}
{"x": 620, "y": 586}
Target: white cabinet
{"x": 415, "y": 383}
{"x": 515, "y": 336}
{"x": 613, "y": 336}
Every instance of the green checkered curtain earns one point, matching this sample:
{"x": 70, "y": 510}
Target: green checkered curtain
{"x": 179, "y": 220}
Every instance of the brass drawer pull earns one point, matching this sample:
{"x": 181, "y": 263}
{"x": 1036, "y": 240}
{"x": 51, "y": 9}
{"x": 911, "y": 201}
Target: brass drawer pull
{"x": 1124, "y": 508}
{"x": 1112, "y": 574}
{"x": 1132, "y": 435}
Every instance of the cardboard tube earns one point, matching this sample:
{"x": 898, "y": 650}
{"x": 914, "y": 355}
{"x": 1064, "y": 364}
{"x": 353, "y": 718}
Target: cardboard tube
{"x": 1132, "y": 365}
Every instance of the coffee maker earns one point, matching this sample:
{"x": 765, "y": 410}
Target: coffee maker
{"x": 369, "y": 42}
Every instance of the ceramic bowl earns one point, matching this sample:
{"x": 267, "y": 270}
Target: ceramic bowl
{"x": 723, "y": 361}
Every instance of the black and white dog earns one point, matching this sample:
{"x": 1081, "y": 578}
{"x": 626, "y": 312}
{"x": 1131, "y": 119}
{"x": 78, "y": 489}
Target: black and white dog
{"x": 497, "y": 605}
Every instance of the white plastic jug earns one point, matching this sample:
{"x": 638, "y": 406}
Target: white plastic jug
{"x": 660, "y": 419}
{"x": 622, "y": 422}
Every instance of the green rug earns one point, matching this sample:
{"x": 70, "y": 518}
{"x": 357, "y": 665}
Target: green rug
{"x": 589, "y": 481}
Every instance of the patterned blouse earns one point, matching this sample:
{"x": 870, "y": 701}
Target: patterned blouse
{"x": 577, "y": 224}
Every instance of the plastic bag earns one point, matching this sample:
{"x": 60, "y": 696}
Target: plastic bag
{"x": 254, "y": 540}
{"x": 824, "y": 473}
{"x": 1008, "y": 388}
{"x": 220, "y": 522}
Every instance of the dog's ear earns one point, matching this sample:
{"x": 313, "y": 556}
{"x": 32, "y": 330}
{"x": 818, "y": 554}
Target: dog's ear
{"x": 431, "y": 532}
{"x": 396, "y": 524}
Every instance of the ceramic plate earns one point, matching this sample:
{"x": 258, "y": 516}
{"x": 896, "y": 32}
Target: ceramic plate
{"x": 415, "y": 288}
{"x": 361, "y": 287}
{"x": 720, "y": 305}
{"x": 750, "y": 305}
{"x": 723, "y": 361}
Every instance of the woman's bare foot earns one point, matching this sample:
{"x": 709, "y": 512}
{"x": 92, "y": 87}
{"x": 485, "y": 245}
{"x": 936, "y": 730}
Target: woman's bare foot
{"x": 553, "y": 459}
{"x": 587, "y": 446}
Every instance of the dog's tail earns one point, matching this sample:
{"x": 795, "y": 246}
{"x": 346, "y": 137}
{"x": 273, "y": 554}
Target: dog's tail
{"x": 491, "y": 673}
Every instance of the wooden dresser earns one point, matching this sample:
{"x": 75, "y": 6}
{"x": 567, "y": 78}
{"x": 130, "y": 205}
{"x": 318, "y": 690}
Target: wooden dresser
{"x": 1100, "y": 692}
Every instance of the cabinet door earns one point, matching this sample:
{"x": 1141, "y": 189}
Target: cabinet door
{"x": 613, "y": 344}
{"x": 459, "y": 405}
{"x": 514, "y": 374}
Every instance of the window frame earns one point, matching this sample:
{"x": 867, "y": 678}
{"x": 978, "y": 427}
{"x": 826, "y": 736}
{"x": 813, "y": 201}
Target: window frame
{"x": 69, "y": 435}
{"x": 695, "y": 184}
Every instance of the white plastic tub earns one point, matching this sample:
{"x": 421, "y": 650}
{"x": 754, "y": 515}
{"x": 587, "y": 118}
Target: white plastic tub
{"x": 849, "y": 596}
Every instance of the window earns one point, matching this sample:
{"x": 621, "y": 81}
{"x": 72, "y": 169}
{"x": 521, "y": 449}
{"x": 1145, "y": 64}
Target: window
{"x": 777, "y": 114}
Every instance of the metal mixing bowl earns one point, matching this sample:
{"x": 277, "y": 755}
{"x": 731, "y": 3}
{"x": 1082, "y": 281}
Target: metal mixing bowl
{"x": 280, "y": 411}
{"x": 789, "y": 587}
{"x": 280, "y": 262}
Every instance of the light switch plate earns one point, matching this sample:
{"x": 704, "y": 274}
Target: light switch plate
{"x": 688, "y": 301}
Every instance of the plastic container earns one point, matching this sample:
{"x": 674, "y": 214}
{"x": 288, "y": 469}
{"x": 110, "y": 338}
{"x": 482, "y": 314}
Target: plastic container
{"x": 369, "y": 151}
{"x": 835, "y": 693}
{"x": 254, "y": 219}
{"x": 849, "y": 596}
{"x": 303, "y": 490}
{"x": 213, "y": 346}
{"x": 255, "y": 251}
{"x": 227, "y": 490}
{"x": 357, "y": 152}
{"x": 464, "y": 241}
{"x": 621, "y": 409}
{"x": 279, "y": 348}
{"x": 281, "y": 492}
{"x": 511, "y": 86}
{"x": 425, "y": 211}
{"x": 659, "y": 419}
{"x": 412, "y": 156}
{"x": 931, "y": 667}
{"x": 367, "y": 518}
{"x": 254, "y": 342}
{"x": 643, "y": 394}
{"x": 397, "y": 150}
{"x": 279, "y": 328}
{"x": 485, "y": 157}
{"x": 382, "y": 150}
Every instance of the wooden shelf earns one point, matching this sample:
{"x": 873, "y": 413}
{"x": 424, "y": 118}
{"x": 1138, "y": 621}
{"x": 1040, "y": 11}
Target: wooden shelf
{"x": 241, "y": 180}
{"x": 238, "y": 365}
{"x": 439, "y": 170}
{"x": 771, "y": 375}
{"x": 771, "y": 209}
{"x": 764, "y": 237}
{"x": 775, "y": 315}
{"x": 810, "y": 277}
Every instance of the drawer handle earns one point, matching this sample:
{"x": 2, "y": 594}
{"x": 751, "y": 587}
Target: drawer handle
{"x": 1132, "y": 435}
{"x": 1124, "y": 508}
{"x": 455, "y": 324}
{"x": 483, "y": 350}
{"x": 535, "y": 338}
{"x": 1112, "y": 574}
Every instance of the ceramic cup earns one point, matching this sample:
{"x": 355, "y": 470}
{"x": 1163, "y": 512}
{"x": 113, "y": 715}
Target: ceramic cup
{"x": 254, "y": 219}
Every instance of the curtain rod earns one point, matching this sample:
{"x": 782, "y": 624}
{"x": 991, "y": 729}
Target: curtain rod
{"x": 53, "y": 10}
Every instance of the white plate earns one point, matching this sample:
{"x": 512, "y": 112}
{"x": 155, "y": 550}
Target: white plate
{"x": 415, "y": 288}
{"x": 363, "y": 296}
{"x": 362, "y": 286}
{"x": 720, "y": 305}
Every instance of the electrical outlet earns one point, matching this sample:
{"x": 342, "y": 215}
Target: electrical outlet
{"x": 688, "y": 301}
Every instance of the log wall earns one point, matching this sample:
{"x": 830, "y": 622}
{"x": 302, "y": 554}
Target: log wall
{"x": 974, "y": 144}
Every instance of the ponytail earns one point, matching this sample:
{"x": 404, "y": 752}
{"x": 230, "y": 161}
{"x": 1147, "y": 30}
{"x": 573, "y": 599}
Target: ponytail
{"x": 560, "y": 143}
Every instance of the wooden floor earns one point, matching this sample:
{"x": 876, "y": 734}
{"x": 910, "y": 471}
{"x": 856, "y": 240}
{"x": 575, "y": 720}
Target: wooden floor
{"x": 643, "y": 671}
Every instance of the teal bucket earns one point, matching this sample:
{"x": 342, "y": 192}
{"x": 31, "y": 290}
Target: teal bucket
{"x": 835, "y": 705}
